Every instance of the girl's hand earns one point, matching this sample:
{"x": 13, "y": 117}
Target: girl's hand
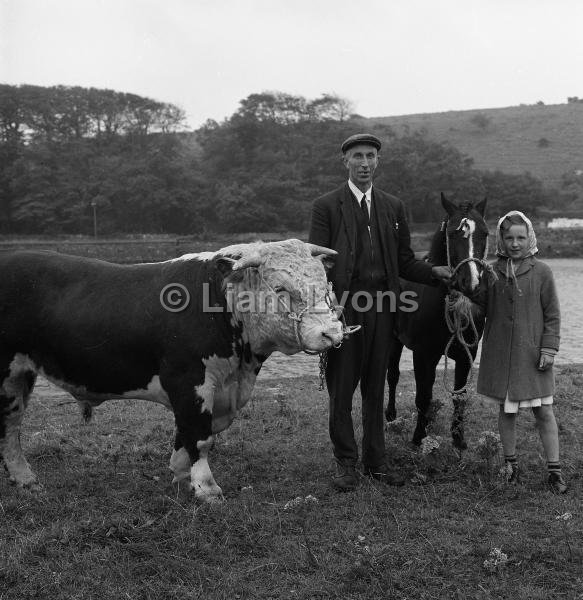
{"x": 545, "y": 361}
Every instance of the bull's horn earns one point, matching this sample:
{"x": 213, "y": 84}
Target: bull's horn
{"x": 316, "y": 250}
{"x": 253, "y": 260}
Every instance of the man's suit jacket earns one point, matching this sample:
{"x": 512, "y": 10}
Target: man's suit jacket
{"x": 333, "y": 225}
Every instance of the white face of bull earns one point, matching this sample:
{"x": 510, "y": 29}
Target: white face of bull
{"x": 279, "y": 292}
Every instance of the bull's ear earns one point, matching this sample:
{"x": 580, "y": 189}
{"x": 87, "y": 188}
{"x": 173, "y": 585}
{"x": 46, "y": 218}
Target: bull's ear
{"x": 449, "y": 206}
{"x": 225, "y": 264}
{"x": 327, "y": 260}
{"x": 481, "y": 206}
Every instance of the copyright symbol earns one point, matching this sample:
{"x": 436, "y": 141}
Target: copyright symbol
{"x": 174, "y": 297}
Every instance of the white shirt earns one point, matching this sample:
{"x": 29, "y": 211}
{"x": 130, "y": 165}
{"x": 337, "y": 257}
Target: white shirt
{"x": 358, "y": 194}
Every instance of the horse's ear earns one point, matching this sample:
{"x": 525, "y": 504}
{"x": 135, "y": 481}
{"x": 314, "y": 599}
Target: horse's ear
{"x": 481, "y": 206}
{"x": 449, "y": 206}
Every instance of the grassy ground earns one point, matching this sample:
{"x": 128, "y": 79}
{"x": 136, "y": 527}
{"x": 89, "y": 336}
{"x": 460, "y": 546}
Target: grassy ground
{"x": 110, "y": 525}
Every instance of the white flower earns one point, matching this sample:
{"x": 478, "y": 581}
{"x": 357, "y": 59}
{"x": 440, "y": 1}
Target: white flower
{"x": 299, "y": 501}
{"x": 429, "y": 444}
{"x": 488, "y": 444}
{"x": 505, "y": 472}
{"x": 489, "y": 437}
{"x": 564, "y": 517}
{"x": 291, "y": 504}
{"x": 497, "y": 559}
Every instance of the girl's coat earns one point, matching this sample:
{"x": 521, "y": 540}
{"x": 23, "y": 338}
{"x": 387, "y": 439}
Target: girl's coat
{"x": 523, "y": 316}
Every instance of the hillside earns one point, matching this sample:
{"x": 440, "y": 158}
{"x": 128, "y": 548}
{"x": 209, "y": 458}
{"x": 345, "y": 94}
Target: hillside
{"x": 511, "y": 139}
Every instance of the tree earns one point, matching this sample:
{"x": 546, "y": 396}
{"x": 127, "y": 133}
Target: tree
{"x": 330, "y": 107}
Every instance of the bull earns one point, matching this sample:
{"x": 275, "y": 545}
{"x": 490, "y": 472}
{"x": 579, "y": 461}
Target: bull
{"x": 190, "y": 333}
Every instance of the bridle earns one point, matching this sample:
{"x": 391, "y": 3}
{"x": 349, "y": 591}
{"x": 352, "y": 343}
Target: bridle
{"x": 458, "y": 308}
{"x": 486, "y": 266}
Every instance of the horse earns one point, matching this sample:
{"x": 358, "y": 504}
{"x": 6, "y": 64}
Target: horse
{"x": 461, "y": 242}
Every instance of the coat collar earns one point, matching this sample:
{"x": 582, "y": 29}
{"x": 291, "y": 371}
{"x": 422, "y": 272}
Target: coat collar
{"x": 525, "y": 266}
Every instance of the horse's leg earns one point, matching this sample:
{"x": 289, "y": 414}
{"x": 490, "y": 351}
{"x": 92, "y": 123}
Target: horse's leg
{"x": 393, "y": 374}
{"x": 462, "y": 369}
{"x": 424, "y": 364}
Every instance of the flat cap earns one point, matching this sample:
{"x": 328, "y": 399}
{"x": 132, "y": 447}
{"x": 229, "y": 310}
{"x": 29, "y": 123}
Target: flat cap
{"x": 361, "y": 138}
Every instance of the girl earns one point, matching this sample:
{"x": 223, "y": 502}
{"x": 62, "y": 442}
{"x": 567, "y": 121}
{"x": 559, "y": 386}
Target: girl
{"x": 521, "y": 339}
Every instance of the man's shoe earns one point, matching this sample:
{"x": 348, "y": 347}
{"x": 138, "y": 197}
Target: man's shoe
{"x": 557, "y": 484}
{"x": 346, "y": 479}
{"x": 384, "y": 474}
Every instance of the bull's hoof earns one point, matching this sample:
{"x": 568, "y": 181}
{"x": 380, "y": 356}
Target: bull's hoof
{"x": 209, "y": 496}
{"x": 33, "y": 487}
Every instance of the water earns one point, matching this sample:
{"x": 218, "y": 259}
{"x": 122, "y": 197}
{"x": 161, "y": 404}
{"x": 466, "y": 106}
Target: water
{"x": 568, "y": 273}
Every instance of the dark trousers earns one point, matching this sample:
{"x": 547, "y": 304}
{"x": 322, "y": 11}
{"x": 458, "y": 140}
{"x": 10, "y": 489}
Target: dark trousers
{"x": 363, "y": 357}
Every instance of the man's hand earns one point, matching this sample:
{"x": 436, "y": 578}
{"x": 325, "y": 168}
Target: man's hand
{"x": 442, "y": 273}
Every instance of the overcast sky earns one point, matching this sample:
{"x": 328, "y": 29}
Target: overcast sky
{"x": 388, "y": 57}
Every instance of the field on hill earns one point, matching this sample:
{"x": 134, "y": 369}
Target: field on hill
{"x": 546, "y": 141}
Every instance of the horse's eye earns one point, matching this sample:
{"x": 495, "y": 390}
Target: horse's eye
{"x": 278, "y": 289}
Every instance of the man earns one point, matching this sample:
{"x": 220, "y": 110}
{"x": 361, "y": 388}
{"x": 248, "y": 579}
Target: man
{"x": 368, "y": 229}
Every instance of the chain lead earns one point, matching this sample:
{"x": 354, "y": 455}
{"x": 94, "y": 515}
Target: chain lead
{"x": 322, "y": 365}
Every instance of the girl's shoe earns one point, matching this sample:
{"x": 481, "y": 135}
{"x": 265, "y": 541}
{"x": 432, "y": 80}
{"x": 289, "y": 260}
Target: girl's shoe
{"x": 557, "y": 483}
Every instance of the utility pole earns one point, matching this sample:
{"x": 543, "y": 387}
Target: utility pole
{"x": 94, "y": 206}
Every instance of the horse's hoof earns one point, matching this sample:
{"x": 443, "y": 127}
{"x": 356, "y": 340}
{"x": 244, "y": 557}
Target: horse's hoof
{"x": 419, "y": 435}
{"x": 420, "y": 429}
{"x": 457, "y": 435}
{"x": 390, "y": 414}
{"x": 459, "y": 443}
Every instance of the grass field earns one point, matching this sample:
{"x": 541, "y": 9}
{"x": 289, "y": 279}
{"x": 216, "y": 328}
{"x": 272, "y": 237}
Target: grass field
{"x": 109, "y": 525}
{"x": 553, "y": 243}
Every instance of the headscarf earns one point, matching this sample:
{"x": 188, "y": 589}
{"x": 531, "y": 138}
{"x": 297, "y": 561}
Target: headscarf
{"x": 532, "y": 249}
{"x": 500, "y": 251}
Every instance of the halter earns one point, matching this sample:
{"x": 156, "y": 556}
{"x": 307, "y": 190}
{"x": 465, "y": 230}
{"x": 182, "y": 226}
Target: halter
{"x": 296, "y": 318}
{"x": 486, "y": 266}
{"x": 458, "y": 310}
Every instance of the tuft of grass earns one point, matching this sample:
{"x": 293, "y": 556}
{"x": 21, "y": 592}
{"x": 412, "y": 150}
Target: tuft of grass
{"x": 109, "y": 525}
